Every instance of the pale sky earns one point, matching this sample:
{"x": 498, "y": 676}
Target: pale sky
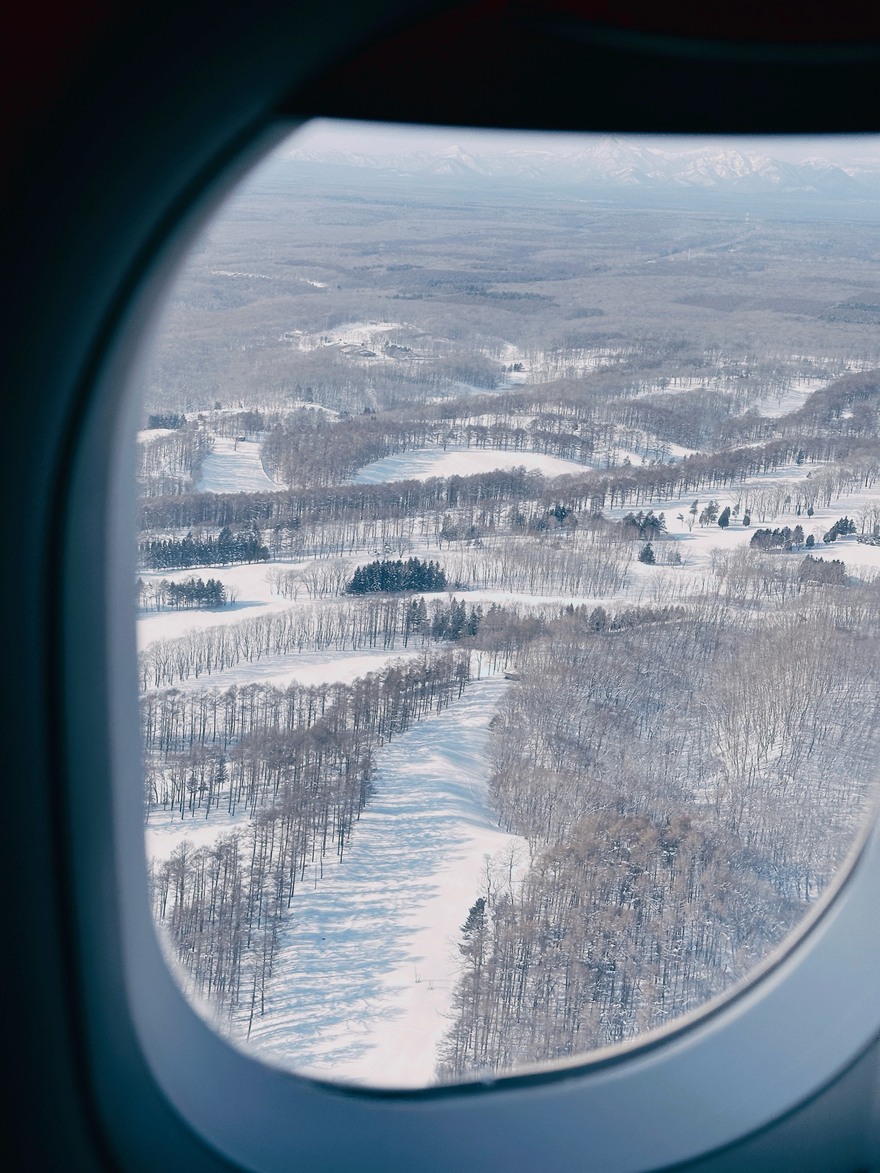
{"x": 367, "y": 137}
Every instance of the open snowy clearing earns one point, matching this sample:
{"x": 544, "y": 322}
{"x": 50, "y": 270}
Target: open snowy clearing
{"x": 234, "y": 466}
{"x": 366, "y": 969}
{"x": 166, "y": 829}
{"x": 789, "y": 398}
{"x": 363, "y": 334}
{"x": 307, "y": 668}
{"x": 170, "y": 624}
{"x": 424, "y": 463}
{"x": 697, "y": 547}
{"x": 248, "y": 583}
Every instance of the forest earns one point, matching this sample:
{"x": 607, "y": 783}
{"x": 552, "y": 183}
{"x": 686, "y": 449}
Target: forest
{"x": 671, "y": 780}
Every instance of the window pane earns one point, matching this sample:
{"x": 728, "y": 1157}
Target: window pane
{"x": 508, "y": 586}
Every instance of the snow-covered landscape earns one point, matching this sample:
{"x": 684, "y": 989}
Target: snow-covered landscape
{"x": 507, "y": 655}
{"x": 366, "y": 966}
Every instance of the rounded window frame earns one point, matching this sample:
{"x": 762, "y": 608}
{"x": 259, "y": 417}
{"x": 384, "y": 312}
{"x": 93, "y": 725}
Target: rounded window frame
{"x": 702, "y": 1084}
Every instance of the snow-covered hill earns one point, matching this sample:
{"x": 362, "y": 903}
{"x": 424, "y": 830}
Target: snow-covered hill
{"x": 608, "y": 161}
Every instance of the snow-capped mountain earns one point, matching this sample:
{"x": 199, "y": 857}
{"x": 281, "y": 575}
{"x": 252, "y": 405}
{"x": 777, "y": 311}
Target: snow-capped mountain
{"x": 613, "y": 162}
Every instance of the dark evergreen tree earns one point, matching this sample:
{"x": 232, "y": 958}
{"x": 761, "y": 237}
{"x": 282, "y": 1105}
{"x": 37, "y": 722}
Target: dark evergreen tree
{"x": 819, "y": 571}
{"x": 841, "y": 528}
{"x": 389, "y": 576}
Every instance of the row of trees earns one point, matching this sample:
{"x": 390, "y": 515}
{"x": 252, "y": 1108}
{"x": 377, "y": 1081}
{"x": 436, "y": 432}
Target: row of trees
{"x": 412, "y": 575}
{"x": 784, "y": 538}
{"x": 182, "y": 595}
{"x": 378, "y": 622}
{"x": 579, "y": 565}
{"x": 299, "y": 767}
{"x": 224, "y": 550}
{"x": 300, "y": 520}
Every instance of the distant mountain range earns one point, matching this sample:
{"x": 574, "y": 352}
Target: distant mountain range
{"x": 614, "y": 163}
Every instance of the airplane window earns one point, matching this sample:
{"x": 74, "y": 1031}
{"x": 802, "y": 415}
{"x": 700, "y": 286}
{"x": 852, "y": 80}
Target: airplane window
{"x": 508, "y": 588}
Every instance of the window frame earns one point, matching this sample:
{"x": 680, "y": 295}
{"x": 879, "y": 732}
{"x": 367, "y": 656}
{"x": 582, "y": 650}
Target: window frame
{"x": 159, "y": 1089}
{"x": 726, "y": 1071}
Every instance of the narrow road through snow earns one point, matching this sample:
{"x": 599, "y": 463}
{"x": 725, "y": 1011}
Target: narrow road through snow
{"x": 363, "y": 984}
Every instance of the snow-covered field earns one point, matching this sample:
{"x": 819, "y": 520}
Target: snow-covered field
{"x": 249, "y": 584}
{"x": 307, "y": 668}
{"x": 789, "y": 399}
{"x": 234, "y": 466}
{"x": 368, "y": 957}
{"x": 423, "y": 463}
{"x": 165, "y": 831}
{"x": 368, "y": 335}
{"x": 366, "y": 969}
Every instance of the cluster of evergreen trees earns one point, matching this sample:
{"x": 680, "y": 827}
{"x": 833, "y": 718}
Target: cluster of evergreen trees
{"x": 643, "y": 527}
{"x": 182, "y": 595}
{"x": 822, "y": 571}
{"x": 195, "y": 593}
{"x": 227, "y": 548}
{"x": 785, "y": 538}
{"x": 387, "y": 576}
{"x": 840, "y": 529}
{"x": 171, "y": 419}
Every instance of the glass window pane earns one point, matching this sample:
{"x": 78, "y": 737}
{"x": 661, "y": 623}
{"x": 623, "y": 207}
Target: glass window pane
{"x": 508, "y": 587}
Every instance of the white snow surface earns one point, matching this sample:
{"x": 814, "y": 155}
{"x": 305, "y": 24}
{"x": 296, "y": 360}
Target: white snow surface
{"x": 365, "y": 973}
{"x": 363, "y": 983}
{"x": 363, "y": 334}
{"x": 234, "y": 466}
{"x": 165, "y": 830}
{"x": 248, "y": 582}
{"x": 423, "y": 463}
{"x": 789, "y": 398}
{"x": 305, "y": 668}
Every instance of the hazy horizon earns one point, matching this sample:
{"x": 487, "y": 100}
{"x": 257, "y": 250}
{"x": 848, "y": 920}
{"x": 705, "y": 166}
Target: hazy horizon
{"x": 380, "y": 138}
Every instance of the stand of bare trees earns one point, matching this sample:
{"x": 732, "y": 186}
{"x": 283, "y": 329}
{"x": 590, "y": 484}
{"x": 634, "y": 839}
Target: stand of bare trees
{"x": 295, "y": 766}
{"x": 574, "y": 565}
{"x": 687, "y": 784}
{"x": 377, "y": 622}
{"x": 170, "y": 462}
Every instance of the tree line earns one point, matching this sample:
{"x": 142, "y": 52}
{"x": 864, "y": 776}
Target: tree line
{"x": 383, "y": 622}
{"x": 848, "y": 464}
{"x": 298, "y": 767}
{"x": 386, "y": 575}
{"x": 182, "y": 595}
{"x": 226, "y": 549}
